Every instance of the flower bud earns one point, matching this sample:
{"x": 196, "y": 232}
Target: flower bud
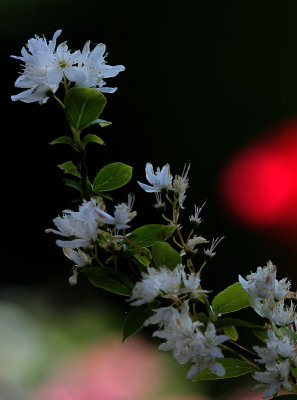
{"x": 73, "y": 278}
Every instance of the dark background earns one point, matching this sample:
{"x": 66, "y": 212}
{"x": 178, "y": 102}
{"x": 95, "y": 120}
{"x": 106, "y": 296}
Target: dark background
{"x": 203, "y": 79}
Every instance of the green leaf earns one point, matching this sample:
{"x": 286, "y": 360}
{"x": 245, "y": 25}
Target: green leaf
{"x": 109, "y": 279}
{"x": 142, "y": 258}
{"x": 69, "y": 168}
{"x": 135, "y": 319}
{"x": 236, "y": 322}
{"x": 201, "y": 317}
{"x": 74, "y": 184}
{"x": 83, "y": 106}
{"x": 164, "y": 254}
{"x": 112, "y": 176}
{"x": 261, "y": 334}
{"x": 147, "y": 235}
{"x": 233, "y": 368}
{"x": 283, "y": 331}
{"x": 102, "y": 123}
{"x": 231, "y": 332}
{"x": 93, "y": 139}
{"x": 62, "y": 139}
{"x": 294, "y": 372}
{"x": 232, "y": 299}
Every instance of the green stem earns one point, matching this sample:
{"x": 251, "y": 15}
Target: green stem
{"x": 208, "y": 308}
{"x": 58, "y": 100}
{"x": 95, "y": 256}
{"x": 138, "y": 248}
{"x": 167, "y": 219}
{"x": 202, "y": 266}
{"x": 242, "y": 357}
{"x": 66, "y": 85}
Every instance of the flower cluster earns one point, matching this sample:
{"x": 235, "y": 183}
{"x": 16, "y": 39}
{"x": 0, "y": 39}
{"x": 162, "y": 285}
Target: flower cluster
{"x": 82, "y": 229}
{"x": 271, "y": 299}
{"x": 279, "y": 356}
{"x": 165, "y": 283}
{"x": 45, "y": 67}
{"x": 268, "y": 295}
{"x": 180, "y": 330}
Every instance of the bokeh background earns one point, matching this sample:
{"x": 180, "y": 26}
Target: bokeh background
{"x": 211, "y": 82}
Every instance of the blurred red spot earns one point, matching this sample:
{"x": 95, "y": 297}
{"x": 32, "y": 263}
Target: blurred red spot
{"x": 259, "y": 185}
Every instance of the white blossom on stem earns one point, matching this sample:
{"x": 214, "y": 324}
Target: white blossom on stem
{"x": 260, "y": 284}
{"x": 79, "y": 257}
{"x": 210, "y": 253}
{"x": 263, "y": 284}
{"x": 80, "y": 227}
{"x": 93, "y": 68}
{"x": 178, "y": 334}
{"x": 195, "y": 219}
{"x": 161, "y": 180}
{"x": 162, "y": 316}
{"x": 275, "y": 348}
{"x": 277, "y": 312}
{"x": 275, "y": 377}
{"x": 156, "y": 282}
{"x": 281, "y": 288}
{"x": 206, "y": 352}
{"x": 166, "y": 283}
{"x": 188, "y": 344}
{"x": 122, "y": 214}
{"x": 180, "y": 184}
{"x": 193, "y": 242}
{"x": 44, "y": 67}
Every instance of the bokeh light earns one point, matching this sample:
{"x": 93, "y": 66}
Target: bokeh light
{"x": 259, "y": 185}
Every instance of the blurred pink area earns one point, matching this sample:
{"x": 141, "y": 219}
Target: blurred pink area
{"x": 109, "y": 371}
{"x": 198, "y": 397}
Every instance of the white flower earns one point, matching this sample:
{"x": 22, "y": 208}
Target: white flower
{"x": 122, "y": 214}
{"x": 276, "y": 312}
{"x": 179, "y": 333}
{"x": 79, "y": 258}
{"x": 81, "y": 227}
{"x": 180, "y": 185}
{"x": 275, "y": 347}
{"x": 161, "y": 180}
{"x": 93, "y": 69}
{"x": 166, "y": 283}
{"x": 195, "y": 219}
{"x": 210, "y": 252}
{"x": 186, "y": 341}
{"x": 63, "y": 64}
{"x": 196, "y": 240}
{"x": 281, "y": 288}
{"x": 274, "y": 378}
{"x": 155, "y": 282}
{"x": 191, "y": 282}
{"x": 260, "y": 284}
{"x": 205, "y": 352}
{"x": 163, "y": 316}
{"x": 44, "y": 68}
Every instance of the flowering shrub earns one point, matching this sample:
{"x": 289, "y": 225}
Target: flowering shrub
{"x": 155, "y": 266}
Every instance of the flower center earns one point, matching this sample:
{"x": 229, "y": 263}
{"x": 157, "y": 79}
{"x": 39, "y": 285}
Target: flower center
{"x": 62, "y": 64}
